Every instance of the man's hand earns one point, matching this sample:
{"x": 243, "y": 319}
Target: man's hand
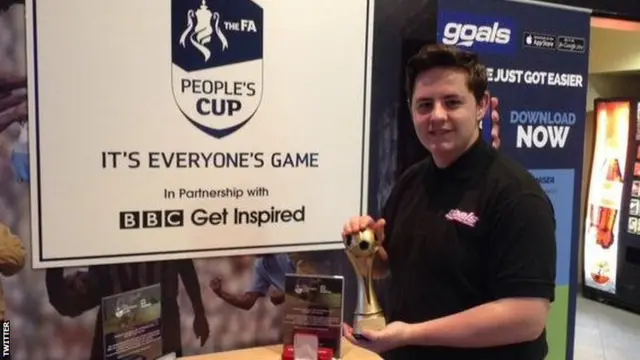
{"x": 360, "y": 223}
{"x": 216, "y": 285}
{"x": 392, "y": 336}
{"x": 495, "y": 123}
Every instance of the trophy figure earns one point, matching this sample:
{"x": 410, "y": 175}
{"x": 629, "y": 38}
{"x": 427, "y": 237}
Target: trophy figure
{"x": 361, "y": 248}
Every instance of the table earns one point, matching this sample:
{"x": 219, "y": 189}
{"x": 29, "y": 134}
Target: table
{"x": 274, "y": 352}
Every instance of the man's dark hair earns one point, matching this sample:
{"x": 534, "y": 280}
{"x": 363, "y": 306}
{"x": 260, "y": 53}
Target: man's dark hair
{"x": 439, "y": 55}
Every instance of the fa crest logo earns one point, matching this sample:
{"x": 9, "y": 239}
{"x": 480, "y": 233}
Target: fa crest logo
{"x": 217, "y": 48}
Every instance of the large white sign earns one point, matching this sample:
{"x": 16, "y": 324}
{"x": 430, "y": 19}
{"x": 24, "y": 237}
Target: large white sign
{"x": 195, "y": 128}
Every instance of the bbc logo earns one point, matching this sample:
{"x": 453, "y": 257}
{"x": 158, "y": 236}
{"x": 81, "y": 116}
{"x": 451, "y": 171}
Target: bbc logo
{"x": 147, "y": 219}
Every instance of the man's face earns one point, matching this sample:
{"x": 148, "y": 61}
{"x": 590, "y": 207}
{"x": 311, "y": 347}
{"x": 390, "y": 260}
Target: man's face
{"x": 445, "y": 113}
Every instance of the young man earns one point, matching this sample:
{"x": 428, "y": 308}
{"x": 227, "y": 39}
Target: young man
{"x": 468, "y": 235}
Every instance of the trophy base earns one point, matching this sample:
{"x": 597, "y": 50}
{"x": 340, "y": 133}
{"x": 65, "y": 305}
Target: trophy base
{"x": 370, "y": 322}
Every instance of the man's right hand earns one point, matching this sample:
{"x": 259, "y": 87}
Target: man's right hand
{"x": 360, "y": 223}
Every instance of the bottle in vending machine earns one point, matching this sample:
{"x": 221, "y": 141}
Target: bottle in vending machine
{"x": 604, "y": 219}
{"x": 613, "y": 170}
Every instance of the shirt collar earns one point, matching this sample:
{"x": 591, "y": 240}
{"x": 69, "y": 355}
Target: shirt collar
{"x": 467, "y": 165}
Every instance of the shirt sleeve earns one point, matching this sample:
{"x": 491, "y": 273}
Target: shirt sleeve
{"x": 259, "y": 283}
{"x": 523, "y": 249}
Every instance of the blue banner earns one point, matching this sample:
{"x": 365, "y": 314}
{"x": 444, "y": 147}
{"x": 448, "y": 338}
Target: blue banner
{"x": 537, "y": 63}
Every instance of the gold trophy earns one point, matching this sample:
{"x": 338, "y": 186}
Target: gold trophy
{"x": 361, "y": 248}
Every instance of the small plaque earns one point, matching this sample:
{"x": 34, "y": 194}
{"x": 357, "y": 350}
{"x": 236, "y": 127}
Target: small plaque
{"x": 314, "y": 307}
{"x": 132, "y": 323}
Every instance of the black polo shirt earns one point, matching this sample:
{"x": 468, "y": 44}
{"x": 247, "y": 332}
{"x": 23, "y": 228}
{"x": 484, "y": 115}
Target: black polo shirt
{"x": 478, "y": 231}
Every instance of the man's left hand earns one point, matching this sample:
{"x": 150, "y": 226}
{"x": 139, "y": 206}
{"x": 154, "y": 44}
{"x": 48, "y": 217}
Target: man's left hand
{"x": 392, "y": 336}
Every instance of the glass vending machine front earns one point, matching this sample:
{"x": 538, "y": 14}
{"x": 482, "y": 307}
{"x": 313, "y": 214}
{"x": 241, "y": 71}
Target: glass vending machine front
{"x": 604, "y": 196}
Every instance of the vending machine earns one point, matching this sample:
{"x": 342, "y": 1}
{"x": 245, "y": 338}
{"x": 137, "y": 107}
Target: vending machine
{"x": 612, "y": 226}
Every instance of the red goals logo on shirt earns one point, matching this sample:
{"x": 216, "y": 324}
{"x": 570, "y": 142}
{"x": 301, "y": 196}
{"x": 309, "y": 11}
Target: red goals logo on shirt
{"x": 467, "y": 218}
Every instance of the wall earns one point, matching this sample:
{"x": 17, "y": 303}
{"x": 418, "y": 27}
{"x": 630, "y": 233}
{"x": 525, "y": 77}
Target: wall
{"x": 611, "y": 85}
{"x": 610, "y": 51}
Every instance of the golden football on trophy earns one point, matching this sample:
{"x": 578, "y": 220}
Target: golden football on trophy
{"x": 363, "y": 244}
